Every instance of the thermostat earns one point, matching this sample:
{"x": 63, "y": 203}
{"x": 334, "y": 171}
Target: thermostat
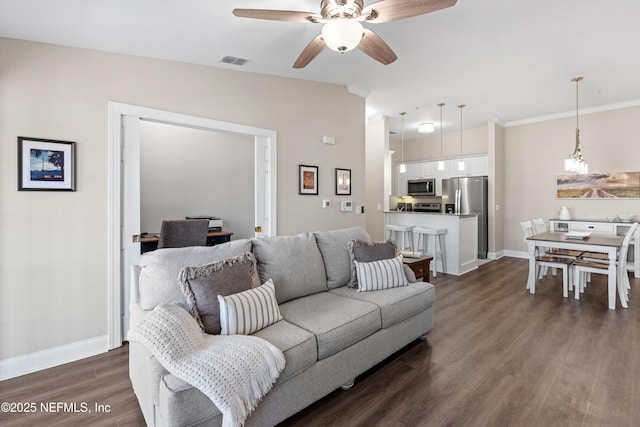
{"x": 346, "y": 206}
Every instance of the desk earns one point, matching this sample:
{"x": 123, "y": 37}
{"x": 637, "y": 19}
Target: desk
{"x": 149, "y": 242}
{"x": 594, "y": 243}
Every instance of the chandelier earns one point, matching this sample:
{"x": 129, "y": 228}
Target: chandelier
{"x": 575, "y": 162}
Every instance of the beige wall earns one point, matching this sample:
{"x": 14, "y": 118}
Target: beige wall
{"x": 190, "y": 172}
{"x": 496, "y": 188}
{"x": 378, "y": 175}
{"x": 53, "y": 251}
{"x": 534, "y": 155}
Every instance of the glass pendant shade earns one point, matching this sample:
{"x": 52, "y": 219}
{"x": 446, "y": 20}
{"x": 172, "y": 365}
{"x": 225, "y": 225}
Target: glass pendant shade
{"x": 342, "y": 34}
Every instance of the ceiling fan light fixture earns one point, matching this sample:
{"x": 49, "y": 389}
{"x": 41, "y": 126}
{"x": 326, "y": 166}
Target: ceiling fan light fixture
{"x": 426, "y": 128}
{"x": 342, "y": 34}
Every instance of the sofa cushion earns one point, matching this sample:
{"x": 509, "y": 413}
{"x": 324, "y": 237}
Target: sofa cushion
{"x": 160, "y": 269}
{"x": 333, "y": 247}
{"x": 337, "y": 322}
{"x": 201, "y": 286}
{"x": 293, "y": 262}
{"x": 395, "y": 304}
{"x": 249, "y": 311}
{"x": 364, "y": 251}
{"x": 378, "y": 275}
{"x": 298, "y": 346}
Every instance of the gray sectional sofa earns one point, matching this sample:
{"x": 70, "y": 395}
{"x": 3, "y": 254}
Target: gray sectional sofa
{"x": 329, "y": 335}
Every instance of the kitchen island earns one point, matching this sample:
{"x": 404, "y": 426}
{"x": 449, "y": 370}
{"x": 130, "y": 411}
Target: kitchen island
{"x": 461, "y": 240}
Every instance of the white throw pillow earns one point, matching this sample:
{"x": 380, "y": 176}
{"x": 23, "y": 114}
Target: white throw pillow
{"x": 249, "y": 311}
{"x": 383, "y": 274}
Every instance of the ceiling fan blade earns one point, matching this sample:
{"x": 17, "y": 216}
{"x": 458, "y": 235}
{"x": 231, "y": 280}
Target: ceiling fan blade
{"x": 375, "y": 47}
{"x": 393, "y": 10}
{"x": 277, "y": 15}
{"x": 312, "y": 50}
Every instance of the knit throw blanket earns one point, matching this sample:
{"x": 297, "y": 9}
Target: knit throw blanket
{"x": 234, "y": 371}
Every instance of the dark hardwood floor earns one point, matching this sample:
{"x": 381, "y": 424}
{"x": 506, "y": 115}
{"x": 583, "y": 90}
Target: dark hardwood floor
{"x": 497, "y": 356}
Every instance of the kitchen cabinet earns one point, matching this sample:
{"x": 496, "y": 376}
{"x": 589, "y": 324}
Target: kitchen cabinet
{"x": 422, "y": 170}
{"x": 473, "y": 166}
{"x": 401, "y": 183}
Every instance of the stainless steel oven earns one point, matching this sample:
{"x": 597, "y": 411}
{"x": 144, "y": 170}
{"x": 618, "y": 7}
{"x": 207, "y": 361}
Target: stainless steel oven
{"x": 421, "y": 187}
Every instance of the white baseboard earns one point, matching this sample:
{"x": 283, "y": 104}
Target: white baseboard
{"x": 43, "y": 359}
{"x": 495, "y": 255}
{"x": 517, "y": 254}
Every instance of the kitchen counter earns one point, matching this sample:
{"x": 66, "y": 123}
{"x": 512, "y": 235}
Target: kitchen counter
{"x": 430, "y": 213}
{"x": 461, "y": 240}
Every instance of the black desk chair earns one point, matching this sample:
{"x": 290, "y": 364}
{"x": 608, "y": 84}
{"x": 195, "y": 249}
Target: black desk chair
{"x": 181, "y": 233}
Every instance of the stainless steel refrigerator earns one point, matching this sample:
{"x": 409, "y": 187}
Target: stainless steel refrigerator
{"x": 468, "y": 195}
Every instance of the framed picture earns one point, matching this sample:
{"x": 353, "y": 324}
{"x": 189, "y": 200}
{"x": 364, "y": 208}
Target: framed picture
{"x": 609, "y": 185}
{"x": 308, "y": 183}
{"x": 343, "y": 181}
{"x": 46, "y": 165}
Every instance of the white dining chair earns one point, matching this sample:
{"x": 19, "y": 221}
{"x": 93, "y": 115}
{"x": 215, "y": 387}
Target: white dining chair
{"x": 543, "y": 261}
{"x": 596, "y": 265}
{"x": 540, "y": 227}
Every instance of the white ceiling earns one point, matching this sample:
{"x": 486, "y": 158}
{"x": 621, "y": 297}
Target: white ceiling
{"x": 508, "y": 60}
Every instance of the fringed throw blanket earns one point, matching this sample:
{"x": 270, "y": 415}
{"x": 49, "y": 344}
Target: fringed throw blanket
{"x": 234, "y": 371}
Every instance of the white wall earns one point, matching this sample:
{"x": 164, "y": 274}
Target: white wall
{"x": 53, "y": 251}
{"x": 195, "y": 172}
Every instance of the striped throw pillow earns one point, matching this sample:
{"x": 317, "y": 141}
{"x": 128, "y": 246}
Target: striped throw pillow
{"x": 249, "y": 311}
{"x": 383, "y": 274}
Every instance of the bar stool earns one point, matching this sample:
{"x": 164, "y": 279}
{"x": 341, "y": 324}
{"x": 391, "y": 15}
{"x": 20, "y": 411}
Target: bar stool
{"x": 404, "y": 231}
{"x": 437, "y": 234}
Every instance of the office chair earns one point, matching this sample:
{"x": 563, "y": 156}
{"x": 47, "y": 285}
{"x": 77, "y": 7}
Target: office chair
{"x": 185, "y": 232}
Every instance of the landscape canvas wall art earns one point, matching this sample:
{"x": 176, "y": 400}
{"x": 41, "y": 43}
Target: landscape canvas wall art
{"x": 612, "y": 185}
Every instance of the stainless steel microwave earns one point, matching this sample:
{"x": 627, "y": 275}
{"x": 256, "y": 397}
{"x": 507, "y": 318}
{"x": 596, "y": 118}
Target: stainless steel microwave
{"x": 421, "y": 187}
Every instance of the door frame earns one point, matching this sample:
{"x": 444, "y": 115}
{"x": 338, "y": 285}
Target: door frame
{"x": 266, "y": 138}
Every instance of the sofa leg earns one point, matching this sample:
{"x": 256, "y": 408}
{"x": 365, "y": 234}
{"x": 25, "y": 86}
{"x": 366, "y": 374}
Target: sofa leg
{"x": 423, "y": 337}
{"x": 348, "y": 385}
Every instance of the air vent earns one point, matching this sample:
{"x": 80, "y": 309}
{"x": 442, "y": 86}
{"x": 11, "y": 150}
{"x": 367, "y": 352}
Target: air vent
{"x": 233, "y": 60}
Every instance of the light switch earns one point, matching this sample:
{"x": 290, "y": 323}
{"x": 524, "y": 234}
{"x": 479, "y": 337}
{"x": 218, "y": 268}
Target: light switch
{"x": 326, "y": 204}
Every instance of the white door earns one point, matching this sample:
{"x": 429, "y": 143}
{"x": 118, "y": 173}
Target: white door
{"x": 130, "y": 209}
{"x": 124, "y": 203}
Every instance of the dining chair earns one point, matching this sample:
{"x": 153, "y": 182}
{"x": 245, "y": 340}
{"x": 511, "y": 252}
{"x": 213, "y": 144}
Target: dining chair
{"x": 595, "y": 265}
{"x": 540, "y": 227}
{"x": 183, "y": 232}
{"x": 543, "y": 261}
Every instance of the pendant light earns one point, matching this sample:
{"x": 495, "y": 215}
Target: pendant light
{"x": 441, "y": 162}
{"x": 575, "y": 162}
{"x": 403, "y": 167}
{"x": 460, "y": 162}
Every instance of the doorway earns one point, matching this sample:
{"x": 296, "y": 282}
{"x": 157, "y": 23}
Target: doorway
{"x": 124, "y": 191}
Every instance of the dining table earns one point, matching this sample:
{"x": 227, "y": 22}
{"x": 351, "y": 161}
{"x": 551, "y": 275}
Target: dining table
{"x": 588, "y": 242}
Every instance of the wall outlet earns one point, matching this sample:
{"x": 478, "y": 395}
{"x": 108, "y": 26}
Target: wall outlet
{"x": 326, "y": 204}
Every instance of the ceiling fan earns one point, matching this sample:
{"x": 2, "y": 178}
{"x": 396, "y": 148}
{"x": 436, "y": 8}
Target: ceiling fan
{"x": 342, "y": 30}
